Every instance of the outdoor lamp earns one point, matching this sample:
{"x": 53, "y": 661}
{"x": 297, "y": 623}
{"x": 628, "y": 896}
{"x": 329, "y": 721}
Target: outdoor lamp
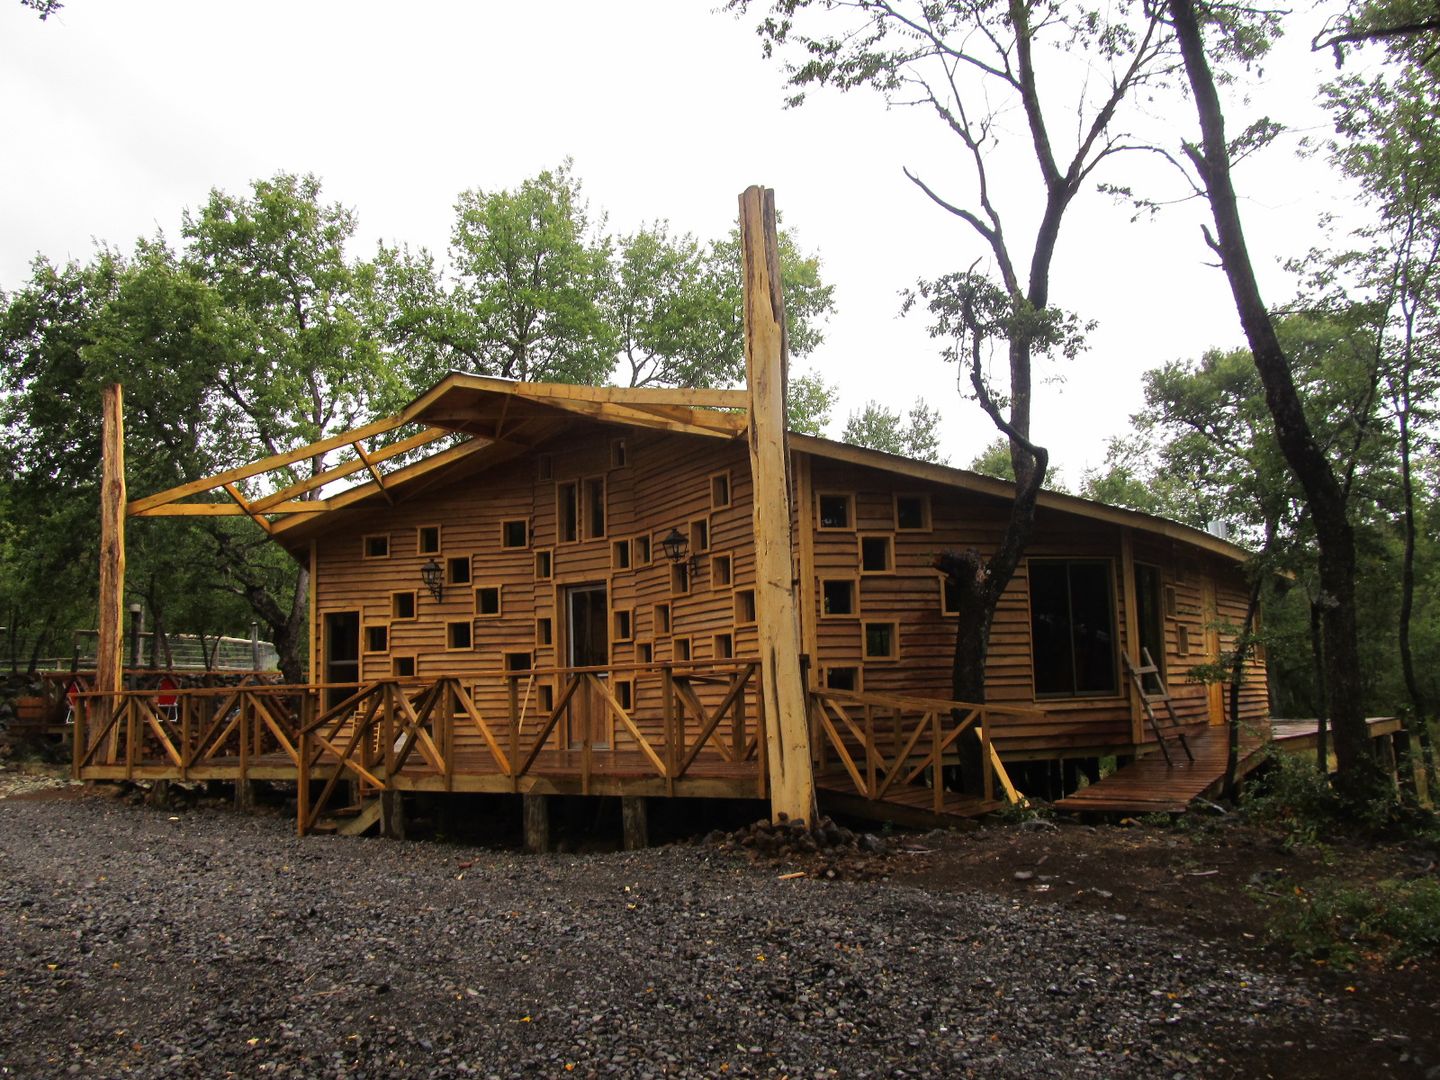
{"x": 675, "y": 546}
{"x": 433, "y": 577}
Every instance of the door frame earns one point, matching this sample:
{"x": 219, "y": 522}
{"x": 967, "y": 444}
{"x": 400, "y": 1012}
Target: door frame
{"x": 586, "y": 704}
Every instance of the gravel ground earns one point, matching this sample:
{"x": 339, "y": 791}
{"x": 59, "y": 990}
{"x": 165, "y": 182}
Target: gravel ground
{"x": 142, "y": 943}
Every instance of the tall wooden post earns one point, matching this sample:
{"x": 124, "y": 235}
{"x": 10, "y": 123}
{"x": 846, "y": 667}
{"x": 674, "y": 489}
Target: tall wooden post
{"x": 109, "y": 648}
{"x": 787, "y": 734}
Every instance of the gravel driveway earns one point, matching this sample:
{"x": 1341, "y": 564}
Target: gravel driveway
{"x": 139, "y": 943}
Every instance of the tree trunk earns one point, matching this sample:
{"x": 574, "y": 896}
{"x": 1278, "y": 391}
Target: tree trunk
{"x": 1360, "y": 778}
{"x": 1322, "y": 703}
{"x": 1419, "y": 721}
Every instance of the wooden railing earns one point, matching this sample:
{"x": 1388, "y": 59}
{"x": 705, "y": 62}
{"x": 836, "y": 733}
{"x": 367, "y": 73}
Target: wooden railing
{"x": 187, "y": 729}
{"x": 888, "y": 742}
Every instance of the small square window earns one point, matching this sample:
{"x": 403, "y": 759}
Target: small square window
{"x": 720, "y": 491}
{"x": 877, "y": 555}
{"x": 543, "y": 565}
{"x": 949, "y": 596}
{"x": 640, "y": 550}
{"x": 1182, "y": 640}
{"x": 680, "y": 579}
{"x": 515, "y": 533}
{"x": 544, "y": 632}
{"x": 882, "y": 641}
{"x": 912, "y": 513}
{"x": 662, "y": 618}
{"x": 625, "y": 693}
{"x": 624, "y": 624}
{"x": 1172, "y": 603}
{"x": 487, "y": 601}
{"x": 682, "y": 648}
{"x": 837, "y": 597}
{"x": 545, "y": 467}
{"x": 842, "y": 678}
{"x": 377, "y": 638}
{"x": 378, "y": 546}
{"x": 518, "y": 661}
{"x": 457, "y": 635}
{"x": 402, "y": 605}
{"x": 721, "y": 571}
{"x": 645, "y": 652}
{"x": 429, "y": 539}
{"x": 545, "y": 695}
{"x": 744, "y": 607}
{"x": 619, "y": 456}
{"x": 620, "y": 555}
{"x": 699, "y": 536}
{"x": 837, "y": 511}
{"x": 457, "y": 570}
{"x": 724, "y": 646}
{"x": 402, "y": 667}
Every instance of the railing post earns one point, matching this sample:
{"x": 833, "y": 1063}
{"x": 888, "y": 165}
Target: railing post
{"x": 674, "y": 735}
{"x": 187, "y": 753}
{"x": 302, "y": 782}
{"x": 869, "y": 752}
{"x": 937, "y": 771}
{"x": 131, "y": 723}
{"x": 989, "y": 769}
{"x": 737, "y": 724}
{"x": 762, "y": 780}
{"x": 452, "y": 706}
{"x": 513, "y": 704}
{"x": 241, "y": 728}
{"x": 387, "y": 735}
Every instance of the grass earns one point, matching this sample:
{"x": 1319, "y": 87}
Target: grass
{"x": 1345, "y": 924}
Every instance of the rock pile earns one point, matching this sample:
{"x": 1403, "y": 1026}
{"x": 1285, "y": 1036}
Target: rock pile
{"x": 823, "y": 850}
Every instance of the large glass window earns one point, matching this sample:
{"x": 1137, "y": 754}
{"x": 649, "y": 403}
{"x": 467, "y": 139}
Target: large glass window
{"x": 1072, "y": 626}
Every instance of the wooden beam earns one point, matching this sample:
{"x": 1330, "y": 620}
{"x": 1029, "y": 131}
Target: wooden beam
{"x": 234, "y": 493}
{"x": 375, "y": 457}
{"x": 109, "y": 663}
{"x": 266, "y": 464}
{"x": 1132, "y": 631}
{"x": 787, "y": 730}
{"x": 374, "y": 471}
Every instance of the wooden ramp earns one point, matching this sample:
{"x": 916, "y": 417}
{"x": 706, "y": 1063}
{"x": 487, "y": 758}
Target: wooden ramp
{"x": 1149, "y": 786}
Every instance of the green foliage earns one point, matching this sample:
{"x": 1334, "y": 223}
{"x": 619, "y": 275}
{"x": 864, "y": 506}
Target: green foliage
{"x": 915, "y": 435}
{"x": 1345, "y": 924}
{"x": 995, "y": 460}
{"x": 808, "y": 404}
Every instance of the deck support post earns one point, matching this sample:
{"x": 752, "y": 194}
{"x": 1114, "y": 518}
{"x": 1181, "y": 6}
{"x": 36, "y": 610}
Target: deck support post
{"x": 244, "y": 794}
{"x": 536, "y": 810}
{"x": 635, "y": 820}
{"x": 110, "y": 644}
{"x": 392, "y": 815}
{"x": 783, "y": 690}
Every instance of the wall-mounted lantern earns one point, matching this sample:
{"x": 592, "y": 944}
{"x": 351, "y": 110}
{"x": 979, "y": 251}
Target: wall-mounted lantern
{"x": 676, "y": 548}
{"x": 433, "y": 575}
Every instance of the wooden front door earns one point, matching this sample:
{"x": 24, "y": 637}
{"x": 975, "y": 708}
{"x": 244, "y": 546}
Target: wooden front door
{"x": 587, "y": 619}
{"x": 342, "y": 653}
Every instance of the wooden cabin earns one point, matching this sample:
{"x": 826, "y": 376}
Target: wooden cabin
{"x": 551, "y": 552}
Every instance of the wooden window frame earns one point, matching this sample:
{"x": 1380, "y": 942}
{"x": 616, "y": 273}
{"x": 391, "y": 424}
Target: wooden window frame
{"x": 396, "y": 661}
{"x": 1170, "y": 601}
{"x": 395, "y": 615}
{"x": 894, "y": 653}
{"x": 680, "y": 573}
{"x": 946, "y": 612}
{"x": 641, "y": 546}
{"x": 544, "y": 632}
{"x": 1112, "y": 586}
{"x": 621, "y": 555}
{"x": 586, "y": 486}
{"x": 420, "y": 531}
{"x": 699, "y": 529}
{"x": 849, "y": 497}
{"x": 627, "y": 615}
{"x": 572, "y": 487}
{"x": 889, "y": 538}
{"x": 1182, "y": 639}
{"x": 682, "y": 643}
{"x": 545, "y": 467}
{"x": 450, "y": 626}
{"x": 505, "y": 524}
{"x": 727, "y": 637}
{"x": 544, "y": 696}
{"x": 365, "y": 644}
{"x": 717, "y": 478}
{"x": 365, "y": 552}
{"x": 506, "y": 654}
{"x": 663, "y": 619}
{"x": 546, "y": 556}
{"x": 467, "y": 561}
{"x": 740, "y": 615}
{"x": 499, "y": 601}
{"x": 644, "y": 650}
{"x": 625, "y": 688}
{"x": 926, "y": 511}
{"x": 854, "y": 612}
{"x": 619, "y": 453}
{"x": 721, "y": 582}
{"x": 859, "y": 670}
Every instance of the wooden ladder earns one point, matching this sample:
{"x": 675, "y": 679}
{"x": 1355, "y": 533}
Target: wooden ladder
{"x": 1148, "y": 700}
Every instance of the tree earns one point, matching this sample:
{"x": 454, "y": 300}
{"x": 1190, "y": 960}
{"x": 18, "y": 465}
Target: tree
{"x": 808, "y": 401}
{"x": 1360, "y": 779}
{"x": 973, "y": 65}
{"x": 42, "y": 8}
{"x": 915, "y": 435}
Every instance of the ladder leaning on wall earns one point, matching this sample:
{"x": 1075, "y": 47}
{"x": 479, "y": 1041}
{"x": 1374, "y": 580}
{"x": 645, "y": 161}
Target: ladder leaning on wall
{"x": 1150, "y": 698}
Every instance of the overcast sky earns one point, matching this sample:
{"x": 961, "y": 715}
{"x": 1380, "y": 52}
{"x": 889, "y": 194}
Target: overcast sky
{"x": 120, "y": 113}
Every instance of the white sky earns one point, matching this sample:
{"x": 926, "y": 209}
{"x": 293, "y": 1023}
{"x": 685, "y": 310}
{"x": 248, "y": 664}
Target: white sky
{"x": 119, "y": 113}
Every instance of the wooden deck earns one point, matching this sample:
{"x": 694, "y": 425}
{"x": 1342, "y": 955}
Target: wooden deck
{"x": 1148, "y": 785}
